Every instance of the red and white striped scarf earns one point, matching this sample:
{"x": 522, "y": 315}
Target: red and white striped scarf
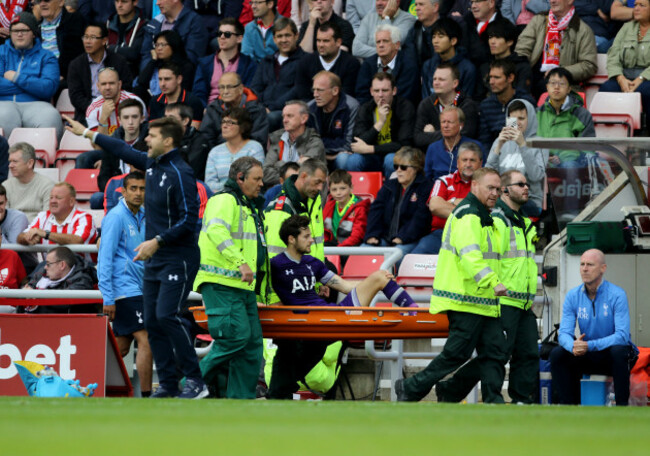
{"x": 553, "y": 42}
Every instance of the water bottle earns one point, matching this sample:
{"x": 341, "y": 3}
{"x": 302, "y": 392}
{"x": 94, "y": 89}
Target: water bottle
{"x": 611, "y": 397}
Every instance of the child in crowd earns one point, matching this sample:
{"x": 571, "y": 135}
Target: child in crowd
{"x": 345, "y": 214}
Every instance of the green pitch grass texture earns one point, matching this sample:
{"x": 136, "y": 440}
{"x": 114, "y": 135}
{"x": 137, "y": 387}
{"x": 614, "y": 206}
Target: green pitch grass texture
{"x": 143, "y": 427}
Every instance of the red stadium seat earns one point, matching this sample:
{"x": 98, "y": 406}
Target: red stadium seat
{"x": 417, "y": 270}
{"x": 358, "y": 267}
{"x": 616, "y": 114}
{"x": 84, "y": 182}
{"x": 70, "y": 148}
{"x": 336, "y": 261}
{"x": 366, "y": 183}
{"x": 64, "y": 105}
{"x": 43, "y": 140}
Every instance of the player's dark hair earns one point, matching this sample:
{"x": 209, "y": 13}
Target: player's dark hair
{"x": 293, "y": 226}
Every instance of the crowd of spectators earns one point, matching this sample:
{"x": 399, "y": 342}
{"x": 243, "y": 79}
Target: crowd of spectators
{"x": 359, "y": 85}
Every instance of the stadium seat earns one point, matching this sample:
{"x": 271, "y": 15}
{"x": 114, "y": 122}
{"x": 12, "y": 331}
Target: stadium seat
{"x": 70, "y": 148}
{"x": 366, "y": 184}
{"x": 64, "y": 105}
{"x": 417, "y": 270}
{"x": 98, "y": 215}
{"x": 593, "y": 85}
{"x": 616, "y": 114}
{"x": 85, "y": 183}
{"x": 43, "y": 140}
{"x": 336, "y": 261}
{"x": 358, "y": 267}
{"x": 51, "y": 173}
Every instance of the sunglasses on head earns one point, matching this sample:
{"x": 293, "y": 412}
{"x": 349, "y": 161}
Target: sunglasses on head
{"x": 402, "y": 167}
{"x": 227, "y": 34}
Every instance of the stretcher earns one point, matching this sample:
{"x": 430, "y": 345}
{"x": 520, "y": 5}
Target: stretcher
{"x": 344, "y": 323}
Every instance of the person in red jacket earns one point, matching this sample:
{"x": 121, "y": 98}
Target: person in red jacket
{"x": 345, "y": 214}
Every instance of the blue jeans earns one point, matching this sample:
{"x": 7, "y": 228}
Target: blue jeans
{"x": 429, "y": 244}
{"x": 388, "y": 165}
{"x": 603, "y": 44}
{"x": 358, "y": 162}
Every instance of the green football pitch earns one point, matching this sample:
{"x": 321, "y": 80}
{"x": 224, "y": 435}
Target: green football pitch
{"x": 119, "y": 427}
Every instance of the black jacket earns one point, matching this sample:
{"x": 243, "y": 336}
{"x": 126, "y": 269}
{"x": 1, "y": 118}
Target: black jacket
{"x": 414, "y": 215}
{"x": 144, "y": 78}
{"x": 401, "y": 125}
{"x": 274, "y": 89}
{"x": 346, "y": 68}
{"x": 111, "y": 164}
{"x": 429, "y": 113}
{"x": 68, "y": 39}
{"x": 80, "y": 80}
{"x": 194, "y": 150}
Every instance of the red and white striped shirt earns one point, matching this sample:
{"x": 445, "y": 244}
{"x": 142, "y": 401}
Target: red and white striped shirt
{"x": 95, "y": 109}
{"x": 78, "y": 223}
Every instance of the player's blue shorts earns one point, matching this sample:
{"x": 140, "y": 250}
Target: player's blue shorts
{"x": 129, "y": 316}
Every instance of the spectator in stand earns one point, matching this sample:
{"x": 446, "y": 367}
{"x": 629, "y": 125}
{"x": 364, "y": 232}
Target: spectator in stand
{"x": 234, "y": 94}
{"x": 170, "y": 81}
{"x": 12, "y": 221}
{"x": 446, "y": 93}
{"x": 27, "y": 191}
{"x": 120, "y": 277}
{"x": 236, "y": 129}
{"x": 628, "y": 60}
{"x": 399, "y": 216}
{"x": 246, "y": 16}
{"x": 97, "y": 10}
{"x": 446, "y": 35}
{"x": 598, "y": 14}
{"x": 502, "y": 36}
{"x": 30, "y": 77}
{"x": 332, "y": 114}
{"x": 227, "y": 59}
{"x": 501, "y": 78}
{"x": 521, "y": 12}
{"x": 300, "y": 10}
{"x": 61, "y": 32}
{"x": 194, "y": 146}
{"x": 12, "y": 272}
{"x": 329, "y": 57}
{"x": 275, "y": 78}
{"x": 174, "y": 16}
{"x": 126, "y": 32}
{"x": 322, "y": 11}
{"x": 447, "y": 192}
{"x": 421, "y": 35}
{"x": 101, "y": 114}
{"x": 384, "y": 125}
{"x": 356, "y": 10}
{"x": 559, "y": 39}
{"x": 84, "y": 70}
{"x": 258, "y": 42}
{"x": 390, "y": 58}
{"x": 563, "y": 116}
{"x": 287, "y": 170}
{"x": 133, "y": 131}
{"x": 442, "y": 155}
{"x": 63, "y": 270}
{"x": 8, "y": 10}
{"x": 168, "y": 48}
{"x": 213, "y": 13}
{"x": 509, "y": 151}
{"x": 475, "y": 23}
{"x": 345, "y": 215}
{"x": 296, "y": 142}
{"x": 386, "y": 12}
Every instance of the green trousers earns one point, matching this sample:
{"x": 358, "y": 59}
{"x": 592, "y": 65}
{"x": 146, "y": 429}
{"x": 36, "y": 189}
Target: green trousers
{"x": 233, "y": 364}
{"x": 467, "y": 332}
{"x": 522, "y": 350}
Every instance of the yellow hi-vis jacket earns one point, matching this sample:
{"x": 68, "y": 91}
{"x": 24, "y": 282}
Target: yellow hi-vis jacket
{"x": 228, "y": 239}
{"x": 517, "y": 245}
{"x": 468, "y": 262}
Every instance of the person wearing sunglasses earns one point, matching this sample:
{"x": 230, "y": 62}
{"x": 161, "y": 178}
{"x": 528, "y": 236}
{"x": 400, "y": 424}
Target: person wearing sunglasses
{"x": 227, "y": 58}
{"x": 509, "y": 151}
{"x": 399, "y": 216}
{"x": 519, "y": 274}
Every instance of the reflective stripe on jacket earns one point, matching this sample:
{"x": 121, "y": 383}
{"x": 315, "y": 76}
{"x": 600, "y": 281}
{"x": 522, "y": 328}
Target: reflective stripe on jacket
{"x": 468, "y": 262}
{"x": 518, "y": 269}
